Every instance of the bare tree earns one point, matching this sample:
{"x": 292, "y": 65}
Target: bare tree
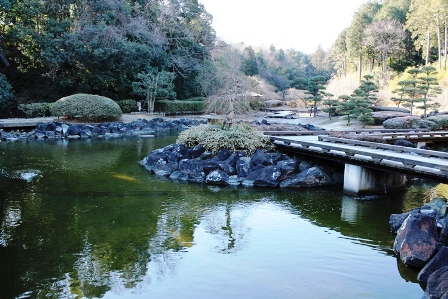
{"x": 386, "y": 37}
{"x": 227, "y": 88}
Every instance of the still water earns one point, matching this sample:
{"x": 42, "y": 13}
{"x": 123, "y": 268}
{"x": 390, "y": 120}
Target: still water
{"x": 92, "y": 223}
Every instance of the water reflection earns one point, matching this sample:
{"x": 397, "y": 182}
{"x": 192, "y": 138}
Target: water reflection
{"x": 11, "y": 220}
{"x": 97, "y": 225}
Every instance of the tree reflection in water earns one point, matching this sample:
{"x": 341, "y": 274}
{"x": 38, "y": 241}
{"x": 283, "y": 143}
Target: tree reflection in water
{"x": 81, "y": 232}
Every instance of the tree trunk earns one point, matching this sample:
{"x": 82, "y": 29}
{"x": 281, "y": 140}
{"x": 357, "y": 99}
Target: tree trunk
{"x": 439, "y": 43}
{"x": 427, "y": 47}
{"x": 148, "y": 98}
{"x": 446, "y": 45}
{"x": 345, "y": 66}
{"x": 153, "y": 95}
{"x": 360, "y": 67}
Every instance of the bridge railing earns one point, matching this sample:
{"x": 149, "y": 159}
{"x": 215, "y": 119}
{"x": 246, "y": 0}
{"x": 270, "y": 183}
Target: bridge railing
{"x": 384, "y": 146}
{"x": 430, "y": 162}
{"x": 358, "y": 131}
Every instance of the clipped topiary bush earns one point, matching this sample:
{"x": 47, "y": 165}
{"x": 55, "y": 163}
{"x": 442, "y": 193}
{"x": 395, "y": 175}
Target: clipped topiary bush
{"x": 240, "y": 137}
{"x": 179, "y": 107}
{"x": 87, "y": 107}
{"x": 36, "y": 109}
{"x": 381, "y": 116}
{"x": 128, "y": 106}
{"x": 441, "y": 121}
{"x": 409, "y": 122}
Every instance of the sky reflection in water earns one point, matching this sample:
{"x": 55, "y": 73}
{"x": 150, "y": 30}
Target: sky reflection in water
{"x": 95, "y": 224}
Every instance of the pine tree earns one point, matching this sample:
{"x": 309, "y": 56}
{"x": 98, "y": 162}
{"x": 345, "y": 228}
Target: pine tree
{"x": 412, "y": 89}
{"x": 358, "y": 105}
{"x": 330, "y": 104}
{"x": 345, "y": 107}
{"x": 429, "y": 87}
{"x": 315, "y": 91}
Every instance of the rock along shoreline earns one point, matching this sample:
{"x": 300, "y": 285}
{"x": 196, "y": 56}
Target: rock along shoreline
{"x": 62, "y": 129}
{"x": 261, "y": 169}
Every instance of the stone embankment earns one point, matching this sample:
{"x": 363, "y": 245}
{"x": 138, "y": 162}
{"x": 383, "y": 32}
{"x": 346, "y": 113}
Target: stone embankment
{"x": 61, "y": 130}
{"x": 421, "y": 242}
{"x": 261, "y": 169}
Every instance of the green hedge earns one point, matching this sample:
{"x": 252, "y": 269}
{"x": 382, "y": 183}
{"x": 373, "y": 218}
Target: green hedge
{"x": 87, "y": 107}
{"x": 128, "y": 106}
{"x": 179, "y": 107}
{"x": 36, "y": 109}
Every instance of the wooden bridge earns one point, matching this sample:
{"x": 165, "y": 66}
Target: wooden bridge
{"x": 384, "y": 163}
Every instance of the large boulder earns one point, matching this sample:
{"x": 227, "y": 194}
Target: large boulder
{"x": 438, "y": 261}
{"x": 73, "y": 130}
{"x": 165, "y": 169}
{"x": 227, "y": 167}
{"x": 196, "y": 165}
{"x": 249, "y": 180}
{"x": 268, "y": 177}
{"x": 242, "y": 166}
{"x": 396, "y": 220}
{"x": 437, "y": 286}
{"x": 187, "y": 176}
{"x": 416, "y": 240}
{"x": 224, "y": 154}
{"x": 259, "y": 157}
{"x": 438, "y": 205}
{"x": 313, "y": 176}
{"x": 288, "y": 168}
{"x": 217, "y": 177}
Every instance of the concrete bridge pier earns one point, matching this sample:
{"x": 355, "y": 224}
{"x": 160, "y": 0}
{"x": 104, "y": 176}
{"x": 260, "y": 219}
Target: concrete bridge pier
{"x": 360, "y": 180}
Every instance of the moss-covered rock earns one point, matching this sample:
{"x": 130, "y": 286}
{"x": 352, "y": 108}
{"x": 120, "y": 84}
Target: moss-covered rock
{"x": 87, "y": 107}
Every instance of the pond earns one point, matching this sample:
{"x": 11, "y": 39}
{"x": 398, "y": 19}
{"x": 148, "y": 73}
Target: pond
{"x": 83, "y": 219}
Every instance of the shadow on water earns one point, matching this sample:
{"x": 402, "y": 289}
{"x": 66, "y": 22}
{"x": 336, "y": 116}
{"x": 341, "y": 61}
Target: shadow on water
{"x": 94, "y": 221}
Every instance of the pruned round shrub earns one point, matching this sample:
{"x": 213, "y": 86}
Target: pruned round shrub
{"x": 361, "y": 137}
{"x": 240, "y": 137}
{"x": 441, "y": 121}
{"x": 408, "y": 122}
{"x": 87, "y": 107}
{"x": 381, "y": 116}
{"x": 391, "y": 109}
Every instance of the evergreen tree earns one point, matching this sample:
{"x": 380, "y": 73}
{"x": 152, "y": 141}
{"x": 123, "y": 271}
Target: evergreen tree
{"x": 315, "y": 90}
{"x": 339, "y": 53}
{"x": 355, "y": 33}
{"x": 401, "y": 92}
{"x": 250, "y": 67}
{"x": 358, "y": 105}
{"x": 364, "y": 98}
{"x": 345, "y": 107}
{"x": 429, "y": 86}
{"x": 412, "y": 89}
{"x": 153, "y": 85}
{"x": 330, "y": 104}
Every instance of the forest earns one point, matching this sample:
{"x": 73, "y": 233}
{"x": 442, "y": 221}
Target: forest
{"x": 52, "y": 49}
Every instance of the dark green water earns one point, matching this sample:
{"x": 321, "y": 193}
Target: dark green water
{"x": 94, "y": 224}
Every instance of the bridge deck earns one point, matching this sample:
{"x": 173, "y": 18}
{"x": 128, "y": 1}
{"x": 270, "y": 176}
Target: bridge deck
{"x": 414, "y": 162}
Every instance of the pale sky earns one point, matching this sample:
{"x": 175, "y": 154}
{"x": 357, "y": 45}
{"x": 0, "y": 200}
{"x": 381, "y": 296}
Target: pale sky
{"x": 298, "y": 24}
